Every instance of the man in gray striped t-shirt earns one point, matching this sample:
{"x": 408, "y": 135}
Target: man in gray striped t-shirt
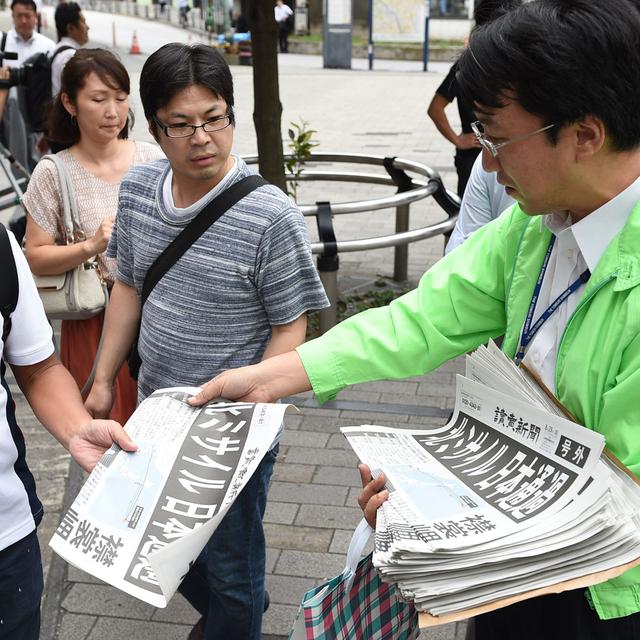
{"x": 239, "y": 295}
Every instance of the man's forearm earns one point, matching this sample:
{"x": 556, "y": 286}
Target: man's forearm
{"x": 53, "y": 395}
{"x": 121, "y": 326}
{"x": 286, "y": 337}
{"x": 437, "y": 114}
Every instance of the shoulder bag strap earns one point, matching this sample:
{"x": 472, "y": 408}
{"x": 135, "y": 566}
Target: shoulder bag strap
{"x": 64, "y": 47}
{"x": 9, "y": 288}
{"x": 4, "y": 41}
{"x": 70, "y": 215}
{"x": 180, "y": 245}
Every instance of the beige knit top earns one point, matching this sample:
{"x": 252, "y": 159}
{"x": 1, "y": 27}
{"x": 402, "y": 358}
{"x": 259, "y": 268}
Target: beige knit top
{"x": 96, "y": 198}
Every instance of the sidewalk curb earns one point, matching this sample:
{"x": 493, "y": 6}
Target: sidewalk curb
{"x": 54, "y": 588}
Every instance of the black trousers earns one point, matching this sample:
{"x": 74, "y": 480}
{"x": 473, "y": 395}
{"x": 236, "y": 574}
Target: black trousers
{"x": 563, "y": 616}
{"x": 463, "y": 161}
{"x": 283, "y": 37}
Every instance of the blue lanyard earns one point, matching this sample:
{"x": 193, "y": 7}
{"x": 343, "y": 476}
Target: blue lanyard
{"x": 529, "y": 331}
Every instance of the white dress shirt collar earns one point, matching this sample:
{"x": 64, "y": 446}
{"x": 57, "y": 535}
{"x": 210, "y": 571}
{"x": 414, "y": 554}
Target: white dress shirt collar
{"x": 65, "y": 41}
{"x": 594, "y": 232}
{"x": 18, "y": 38}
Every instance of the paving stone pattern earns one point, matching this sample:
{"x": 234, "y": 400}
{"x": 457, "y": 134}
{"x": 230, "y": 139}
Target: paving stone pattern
{"x": 312, "y": 508}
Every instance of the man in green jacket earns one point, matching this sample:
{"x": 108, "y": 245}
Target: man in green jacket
{"x": 556, "y": 89}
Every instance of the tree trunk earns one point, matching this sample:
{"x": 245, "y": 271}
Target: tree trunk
{"x": 267, "y": 110}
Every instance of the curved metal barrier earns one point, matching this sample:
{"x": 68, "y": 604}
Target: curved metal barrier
{"x": 423, "y": 183}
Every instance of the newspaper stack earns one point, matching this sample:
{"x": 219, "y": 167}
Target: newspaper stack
{"x": 141, "y": 518}
{"x": 507, "y": 501}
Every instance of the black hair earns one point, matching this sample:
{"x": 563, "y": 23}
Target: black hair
{"x": 561, "y": 60}
{"x": 67, "y": 13}
{"x": 486, "y": 11}
{"x": 60, "y": 125}
{"x": 175, "y": 67}
{"x": 28, "y": 3}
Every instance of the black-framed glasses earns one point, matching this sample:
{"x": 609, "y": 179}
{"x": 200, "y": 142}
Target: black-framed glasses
{"x": 493, "y": 147}
{"x": 185, "y": 130}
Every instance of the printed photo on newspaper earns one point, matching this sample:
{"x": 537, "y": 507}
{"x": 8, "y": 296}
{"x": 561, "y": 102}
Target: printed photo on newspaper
{"x": 141, "y": 518}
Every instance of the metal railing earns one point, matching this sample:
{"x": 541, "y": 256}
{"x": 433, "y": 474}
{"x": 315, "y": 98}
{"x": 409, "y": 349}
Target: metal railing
{"x": 423, "y": 182}
{"x": 169, "y": 14}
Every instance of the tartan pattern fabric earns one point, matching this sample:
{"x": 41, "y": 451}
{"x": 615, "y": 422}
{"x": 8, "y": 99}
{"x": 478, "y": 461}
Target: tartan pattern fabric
{"x": 371, "y": 610}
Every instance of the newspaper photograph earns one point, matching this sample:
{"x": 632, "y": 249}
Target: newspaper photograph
{"x": 497, "y": 466}
{"x": 142, "y": 518}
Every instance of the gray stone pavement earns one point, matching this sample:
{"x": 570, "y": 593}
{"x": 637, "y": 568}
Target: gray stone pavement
{"x": 312, "y": 505}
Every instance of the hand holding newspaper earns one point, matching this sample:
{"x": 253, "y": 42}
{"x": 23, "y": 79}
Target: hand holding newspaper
{"x": 141, "y": 518}
{"x": 507, "y": 501}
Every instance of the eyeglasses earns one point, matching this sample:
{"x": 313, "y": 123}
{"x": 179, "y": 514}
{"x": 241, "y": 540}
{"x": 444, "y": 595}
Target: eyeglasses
{"x": 184, "y": 130}
{"x": 478, "y": 129}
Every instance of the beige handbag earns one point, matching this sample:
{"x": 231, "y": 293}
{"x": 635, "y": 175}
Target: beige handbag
{"x": 81, "y": 292}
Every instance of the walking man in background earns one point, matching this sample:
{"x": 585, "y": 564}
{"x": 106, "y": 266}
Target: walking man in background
{"x": 73, "y": 33}
{"x": 284, "y": 16}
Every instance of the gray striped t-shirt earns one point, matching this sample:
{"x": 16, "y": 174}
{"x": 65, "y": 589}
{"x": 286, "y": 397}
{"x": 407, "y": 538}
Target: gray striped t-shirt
{"x": 213, "y": 310}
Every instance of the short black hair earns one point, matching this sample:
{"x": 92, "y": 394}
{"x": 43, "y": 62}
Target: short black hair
{"x": 486, "y": 11}
{"x": 28, "y": 3}
{"x": 562, "y": 60}
{"x": 67, "y": 13}
{"x": 175, "y": 67}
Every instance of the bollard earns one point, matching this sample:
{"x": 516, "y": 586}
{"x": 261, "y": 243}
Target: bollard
{"x": 401, "y": 252}
{"x": 328, "y": 264}
{"x": 329, "y": 316}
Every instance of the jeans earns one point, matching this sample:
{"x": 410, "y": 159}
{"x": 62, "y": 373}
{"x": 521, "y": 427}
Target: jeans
{"x": 20, "y": 589}
{"x": 226, "y": 582}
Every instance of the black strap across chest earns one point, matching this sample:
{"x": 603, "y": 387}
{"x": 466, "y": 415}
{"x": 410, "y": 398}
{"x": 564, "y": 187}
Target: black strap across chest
{"x": 185, "y": 239}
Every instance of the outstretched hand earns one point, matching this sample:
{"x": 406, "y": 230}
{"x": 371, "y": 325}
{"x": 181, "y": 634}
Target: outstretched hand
{"x": 89, "y": 444}
{"x": 373, "y": 494}
{"x": 235, "y": 384}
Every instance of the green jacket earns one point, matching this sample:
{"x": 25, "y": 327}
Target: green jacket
{"x": 483, "y": 290}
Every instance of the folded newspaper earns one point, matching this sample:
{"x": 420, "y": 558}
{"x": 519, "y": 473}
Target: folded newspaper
{"x": 508, "y": 501}
{"x": 141, "y": 518}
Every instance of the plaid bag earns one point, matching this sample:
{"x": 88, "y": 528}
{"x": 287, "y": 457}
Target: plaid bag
{"x": 356, "y": 605}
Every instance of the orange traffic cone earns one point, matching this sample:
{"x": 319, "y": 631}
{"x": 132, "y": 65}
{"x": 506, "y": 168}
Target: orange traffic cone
{"x": 135, "y": 46}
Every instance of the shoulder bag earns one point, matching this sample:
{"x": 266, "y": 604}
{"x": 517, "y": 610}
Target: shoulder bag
{"x": 81, "y": 292}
